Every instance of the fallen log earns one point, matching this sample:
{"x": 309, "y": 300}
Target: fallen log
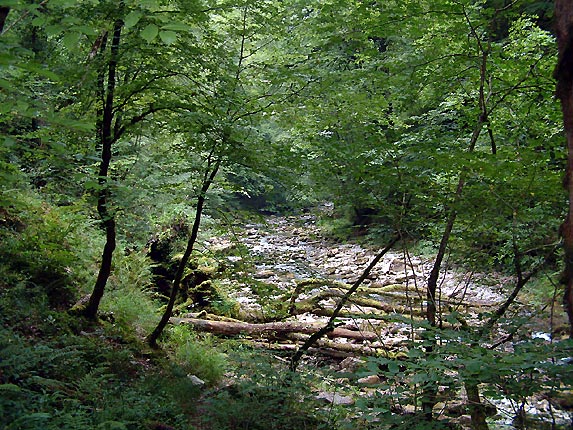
{"x": 272, "y": 330}
{"x": 309, "y": 304}
{"x": 375, "y": 348}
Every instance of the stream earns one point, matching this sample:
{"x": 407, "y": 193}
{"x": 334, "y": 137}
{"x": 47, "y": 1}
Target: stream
{"x": 286, "y": 250}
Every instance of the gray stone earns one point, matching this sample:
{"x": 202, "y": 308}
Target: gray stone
{"x": 195, "y": 380}
{"x": 369, "y": 380}
{"x": 335, "y": 398}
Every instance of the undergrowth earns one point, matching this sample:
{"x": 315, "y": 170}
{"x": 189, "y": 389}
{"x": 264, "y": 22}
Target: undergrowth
{"x": 79, "y": 382}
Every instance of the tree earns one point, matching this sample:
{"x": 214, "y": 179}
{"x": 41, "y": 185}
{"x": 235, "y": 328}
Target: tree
{"x": 440, "y": 145}
{"x": 564, "y": 76}
{"x": 144, "y": 80}
{"x": 239, "y": 84}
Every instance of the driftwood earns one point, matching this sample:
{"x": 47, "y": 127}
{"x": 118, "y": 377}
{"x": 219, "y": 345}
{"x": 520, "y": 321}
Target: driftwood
{"x": 291, "y": 347}
{"x": 307, "y": 305}
{"x": 274, "y": 330}
{"x": 330, "y": 325}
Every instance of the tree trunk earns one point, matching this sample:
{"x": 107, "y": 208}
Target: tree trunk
{"x": 564, "y": 91}
{"x": 271, "y": 330}
{"x": 476, "y": 407}
{"x": 329, "y": 327}
{"x": 4, "y": 11}
{"x": 105, "y": 140}
{"x": 429, "y": 396}
{"x": 210, "y": 173}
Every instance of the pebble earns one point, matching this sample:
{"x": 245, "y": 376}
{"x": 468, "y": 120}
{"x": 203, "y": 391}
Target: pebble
{"x": 335, "y": 398}
{"x": 369, "y": 380}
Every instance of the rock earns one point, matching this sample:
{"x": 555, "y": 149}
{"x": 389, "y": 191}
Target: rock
{"x": 369, "y": 380}
{"x": 252, "y": 232}
{"x": 397, "y": 266}
{"x": 222, "y": 246}
{"x": 335, "y": 398}
{"x": 349, "y": 364}
{"x": 563, "y": 400}
{"x": 453, "y": 409}
{"x": 195, "y": 380}
{"x": 264, "y": 274}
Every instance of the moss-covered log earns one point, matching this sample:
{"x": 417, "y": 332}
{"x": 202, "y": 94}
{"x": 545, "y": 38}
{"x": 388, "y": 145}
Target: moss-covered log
{"x": 275, "y": 330}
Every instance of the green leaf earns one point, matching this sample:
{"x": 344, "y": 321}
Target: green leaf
{"x": 39, "y": 21}
{"x": 71, "y": 40}
{"x": 112, "y": 425}
{"x": 52, "y": 30}
{"x": 9, "y": 387}
{"x": 132, "y": 18}
{"x": 32, "y": 67}
{"x": 393, "y": 367}
{"x": 150, "y": 32}
{"x": 177, "y": 26}
{"x": 87, "y": 30}
{"x": 92, "y": 185}
{"x": 8, "y": 143}
{"x": 63, "y": 3}
{"x": 168, "y": 37}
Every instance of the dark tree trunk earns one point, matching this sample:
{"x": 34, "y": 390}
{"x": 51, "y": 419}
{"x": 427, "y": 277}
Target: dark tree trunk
{"x": 564, "y": 76}
{"x": 476, "y": 407}
{"x": 4, "y": 11}
{"x": 429, "y": 396}
{"x": 210, "y": 173}
{"x": 105, "y": 140}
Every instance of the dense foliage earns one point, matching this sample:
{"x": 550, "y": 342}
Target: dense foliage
{"x": 131, "y": 131}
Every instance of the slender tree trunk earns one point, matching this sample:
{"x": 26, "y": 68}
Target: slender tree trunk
{"x": 4, "y": 11}
{"x": 105, "y": 140}
{"x": 430, "y": 393}
{"x": 476, "y": 407}
{"x": 210, "y": 173}
{"x": 564, "y": 76}
{"x": 329, "y": 327}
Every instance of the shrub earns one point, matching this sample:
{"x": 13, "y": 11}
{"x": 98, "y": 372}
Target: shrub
{"x": 46, "y": 246}
{"x": 197, "y": 356}
{"x": 128, "y": 297}
{"x": 262, "y": 397}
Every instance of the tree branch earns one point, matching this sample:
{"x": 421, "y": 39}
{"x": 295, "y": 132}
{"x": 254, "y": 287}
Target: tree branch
{"x": 329, "y": 327}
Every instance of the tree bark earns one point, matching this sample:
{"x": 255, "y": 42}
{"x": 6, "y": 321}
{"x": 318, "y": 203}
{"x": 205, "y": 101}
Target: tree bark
{"x": 4, "y": 11}
{"x": 105, "y": 140}
{"x": 477, "y": 408}
{"x": 271, "y": 330}
{"x": 564, "y": 92}
{"x": 210, "y": 173}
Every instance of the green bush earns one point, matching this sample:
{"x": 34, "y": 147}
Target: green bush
{"x": 197, "y": 356}
{"x": 128, "y": 298}
{"x": 81, "y": 382}
{"x": 47, "y": 246}
{"x": 261, "y": 397}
